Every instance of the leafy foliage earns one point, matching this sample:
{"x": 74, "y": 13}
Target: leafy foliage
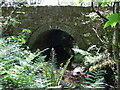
{"x": 95, "y": 64}
{"x": 94, "y": 79}
{"x": 113, "y": 20}
{"x": 69, "y": 85}
{"x": 94, "y": 60}
{"x": 21, "y": 37}
{"x": 17, "y": 69}
{"x": 16, "y": 62}
{"x": 54, "y": 75}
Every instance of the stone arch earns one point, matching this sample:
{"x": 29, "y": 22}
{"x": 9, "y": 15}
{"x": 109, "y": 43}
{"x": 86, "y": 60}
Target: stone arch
{"x": 50, "y": 26}
{"x": 61, "y": 41}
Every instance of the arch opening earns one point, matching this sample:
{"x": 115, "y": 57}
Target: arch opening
{"x": 62, "y": 43}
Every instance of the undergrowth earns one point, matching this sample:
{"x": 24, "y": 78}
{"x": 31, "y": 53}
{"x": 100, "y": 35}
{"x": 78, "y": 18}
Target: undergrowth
{"x": 95, "y": 63}
{"x": 18, "y": 70}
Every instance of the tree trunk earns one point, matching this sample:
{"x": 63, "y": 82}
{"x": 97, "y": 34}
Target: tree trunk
{"x": 1, "y": 21}
{"x": 116, "y": 44}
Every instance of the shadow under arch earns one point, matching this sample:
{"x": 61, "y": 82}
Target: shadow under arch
{"x": 61, "y": 41}
{"x": 49, "y": 26}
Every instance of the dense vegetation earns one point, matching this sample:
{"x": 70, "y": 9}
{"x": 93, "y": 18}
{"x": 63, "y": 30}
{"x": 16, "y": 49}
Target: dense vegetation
{"x": 98, "y": 66}
{"x": 19, "y": 71}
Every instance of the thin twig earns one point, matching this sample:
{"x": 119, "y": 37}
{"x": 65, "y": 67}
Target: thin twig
{"x": 98, "y": 13}
{"x": 98, "y": 35}
{"x": 8, "y": 20}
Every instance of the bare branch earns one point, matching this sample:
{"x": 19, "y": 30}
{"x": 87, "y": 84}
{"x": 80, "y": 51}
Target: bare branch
{"x": 98, "y": 13}
{"x": 98, "y": 35}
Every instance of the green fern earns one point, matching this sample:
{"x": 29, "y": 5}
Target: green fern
{"x": 17, "y": 69}
{"x": 54, "y": 75}
{"x": 94, "y": 79}
{"x": 68, "y": 85}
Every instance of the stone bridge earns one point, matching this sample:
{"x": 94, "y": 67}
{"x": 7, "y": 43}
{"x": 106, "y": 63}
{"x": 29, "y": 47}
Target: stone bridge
{"x": 70, "y": 19}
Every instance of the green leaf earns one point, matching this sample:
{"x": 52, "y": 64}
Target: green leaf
{"x": 23, "y": 41}
{"x": 113, "y": 20}
{"x": 14, "y": 38}
{"x": 1, "y": 17}
{"x": 26, "y": 30}
{"x": 108, "y": 23}
{"x": 104, "y": 3}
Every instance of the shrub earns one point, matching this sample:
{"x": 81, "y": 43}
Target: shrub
{"x": 17, "y": 69}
